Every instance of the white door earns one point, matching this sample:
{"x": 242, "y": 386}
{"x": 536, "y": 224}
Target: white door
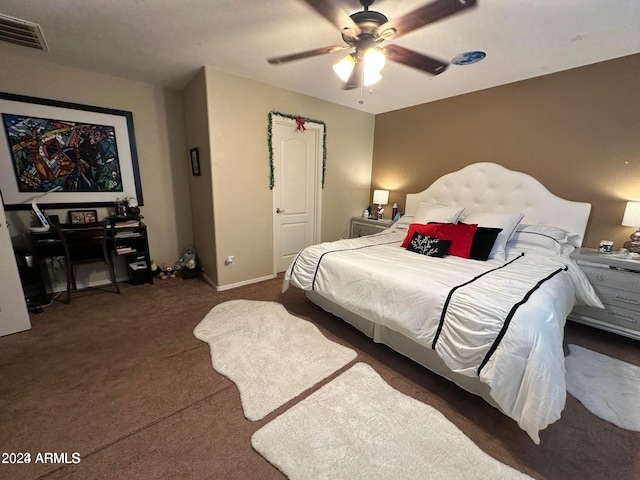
{"x": 14, "y": 316}
{"x": 297, "y": 164}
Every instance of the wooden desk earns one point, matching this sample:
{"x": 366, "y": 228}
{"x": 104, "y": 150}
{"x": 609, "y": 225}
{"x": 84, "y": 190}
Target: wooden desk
{"x": 129, "y": 242}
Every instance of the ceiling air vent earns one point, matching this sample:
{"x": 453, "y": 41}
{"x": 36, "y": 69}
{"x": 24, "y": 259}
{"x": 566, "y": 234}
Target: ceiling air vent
{"x": 21, "y": 32}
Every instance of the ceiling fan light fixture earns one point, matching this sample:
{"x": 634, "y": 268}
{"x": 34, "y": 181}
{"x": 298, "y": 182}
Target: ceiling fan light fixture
{"x": 363, "y": 32}
{"x": 371, "y": 78}
{"x": 374, "y": 60}
{"x": 344, "y": 67}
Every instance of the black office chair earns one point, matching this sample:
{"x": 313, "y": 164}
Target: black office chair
{"x": 85, "y": 243}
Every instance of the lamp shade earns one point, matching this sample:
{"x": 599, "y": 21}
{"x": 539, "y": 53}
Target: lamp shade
{"x": 631, "y": 216}
{"x": 344, "y": 67}
{"x": 381, "y": 197}
{"x": 373, "y": 62}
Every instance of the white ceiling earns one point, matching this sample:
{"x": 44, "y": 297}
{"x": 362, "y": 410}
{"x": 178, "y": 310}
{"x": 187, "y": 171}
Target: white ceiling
{"x": 165, "y": 42}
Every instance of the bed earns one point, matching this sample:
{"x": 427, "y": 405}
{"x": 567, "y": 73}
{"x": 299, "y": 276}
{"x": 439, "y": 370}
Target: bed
{"x": 474, "y": 283}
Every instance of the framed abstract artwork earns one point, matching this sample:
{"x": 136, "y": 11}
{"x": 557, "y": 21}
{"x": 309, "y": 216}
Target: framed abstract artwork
{"x": 65, "y": 154}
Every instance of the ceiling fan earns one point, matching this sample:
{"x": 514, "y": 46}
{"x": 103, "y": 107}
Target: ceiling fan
{"x": 364, "y": 32}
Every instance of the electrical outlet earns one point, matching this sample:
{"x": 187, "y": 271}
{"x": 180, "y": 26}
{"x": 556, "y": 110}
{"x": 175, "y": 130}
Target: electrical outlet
{"x": 231, "y": 260}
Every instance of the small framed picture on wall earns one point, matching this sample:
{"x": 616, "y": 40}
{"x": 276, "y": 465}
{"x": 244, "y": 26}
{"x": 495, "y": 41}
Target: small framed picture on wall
{"x": 195, "y": 161}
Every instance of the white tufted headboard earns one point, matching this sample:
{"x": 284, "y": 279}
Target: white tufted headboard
{"x": 489, "y": 187}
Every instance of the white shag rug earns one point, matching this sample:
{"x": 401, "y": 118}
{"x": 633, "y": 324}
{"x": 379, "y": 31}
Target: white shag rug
{"x": 271, "y": 355}
{"x": 359, "y": 427}
{"x": 608, "y": 388}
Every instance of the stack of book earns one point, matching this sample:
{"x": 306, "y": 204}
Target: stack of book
{"x": 123, "y": 249}
{"x": 128, "y": 234}
{"x": 127, "y": 223}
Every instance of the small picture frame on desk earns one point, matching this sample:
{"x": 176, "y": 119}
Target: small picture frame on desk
{"x": 78, "y": 217}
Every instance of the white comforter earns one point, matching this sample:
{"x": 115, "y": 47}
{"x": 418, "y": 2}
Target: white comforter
{"x": 374, "y": 278}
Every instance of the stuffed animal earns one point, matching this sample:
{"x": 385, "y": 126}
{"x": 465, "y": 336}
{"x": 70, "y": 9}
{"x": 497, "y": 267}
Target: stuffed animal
{"x": 156, "y": 271}
{"x": 168, "y": 271}
{"x": 188, "y": 260}
{"x": 188, "y": 267}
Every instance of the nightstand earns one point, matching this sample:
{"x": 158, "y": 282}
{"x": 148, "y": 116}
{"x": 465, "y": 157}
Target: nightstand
{"x": 361, "y": 226}
{"x": 616, "y": 280}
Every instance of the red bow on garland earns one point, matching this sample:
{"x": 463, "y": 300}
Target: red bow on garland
{"x": 300, "y": 125}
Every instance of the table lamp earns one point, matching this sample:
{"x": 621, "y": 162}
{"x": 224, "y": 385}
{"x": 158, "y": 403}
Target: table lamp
{"x": 631, "y": 218}
{"x": 41, "y": 216}
{"x": 381, "y": 197}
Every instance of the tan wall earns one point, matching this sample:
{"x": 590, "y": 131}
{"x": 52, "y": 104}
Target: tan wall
{"x": 159, "y": 129}
{"x": 238, "y": 117}
{"x": 197, "y": 129}
{"x": 575, "y": 131}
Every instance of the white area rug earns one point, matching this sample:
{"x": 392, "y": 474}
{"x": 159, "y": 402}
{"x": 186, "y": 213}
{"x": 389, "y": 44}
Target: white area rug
{"x": 359, "y": 427}
{"x": 608, "y": 388}
{"x": 269, "y": 354}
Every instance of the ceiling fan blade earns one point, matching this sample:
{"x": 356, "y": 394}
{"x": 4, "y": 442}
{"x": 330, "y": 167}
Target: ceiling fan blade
{"x": 414, "y": 59}
{"x": 335, "y": 15}
{"x": 355, "y": 79}
{"x": 307, "y": 54}
{"x": 429, "y": 13}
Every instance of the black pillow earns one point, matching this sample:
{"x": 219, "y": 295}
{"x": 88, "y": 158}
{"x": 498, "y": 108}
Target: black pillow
{"x": 483, "y": 241}
{"x": 430, "y": 246}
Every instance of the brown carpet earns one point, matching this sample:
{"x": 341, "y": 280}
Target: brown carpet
{"x": 122, "y": 380}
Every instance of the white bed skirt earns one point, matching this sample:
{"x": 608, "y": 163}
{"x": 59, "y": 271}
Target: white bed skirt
{"x": 426, "y": 357}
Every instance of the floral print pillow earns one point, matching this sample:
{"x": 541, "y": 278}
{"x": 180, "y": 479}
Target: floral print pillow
{"x": 430, "y": 246}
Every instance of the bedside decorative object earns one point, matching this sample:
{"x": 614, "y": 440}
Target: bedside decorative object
{"x": 631, "y": 218}
{"x": 606, "y": 246}
{"x": 616, "y": 279}
{"x": 381, "y": 197}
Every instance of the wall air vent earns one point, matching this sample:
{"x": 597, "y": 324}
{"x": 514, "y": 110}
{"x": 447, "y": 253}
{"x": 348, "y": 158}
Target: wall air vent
{"x": 21, "y": 32}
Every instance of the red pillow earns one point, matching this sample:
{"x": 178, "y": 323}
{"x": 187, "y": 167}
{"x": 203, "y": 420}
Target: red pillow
{"x": 428, "y": 229}
{"x": 461, "y": 236}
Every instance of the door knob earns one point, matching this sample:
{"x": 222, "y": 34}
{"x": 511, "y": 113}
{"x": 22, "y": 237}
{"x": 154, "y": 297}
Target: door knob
{"x": 278, "y": 210}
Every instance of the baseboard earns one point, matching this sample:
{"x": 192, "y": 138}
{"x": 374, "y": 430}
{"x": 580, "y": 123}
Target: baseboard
{"x": 221, "y": 288}
{"x": 208, "y": 279}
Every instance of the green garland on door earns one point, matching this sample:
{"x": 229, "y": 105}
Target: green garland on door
{"x": 296, "y": 118}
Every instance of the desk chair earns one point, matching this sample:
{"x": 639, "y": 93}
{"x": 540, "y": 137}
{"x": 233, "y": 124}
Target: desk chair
{"x": 85, "y": 243}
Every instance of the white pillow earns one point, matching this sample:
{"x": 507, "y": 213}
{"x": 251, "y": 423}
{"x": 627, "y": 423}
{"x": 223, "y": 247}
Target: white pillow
{"x": 404, "y": 222}
{"x": 434, "y": 212}
{"x": 549, "y": 231}
{"x": 535, "y": 242}
{"x": 506, "y": 221}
